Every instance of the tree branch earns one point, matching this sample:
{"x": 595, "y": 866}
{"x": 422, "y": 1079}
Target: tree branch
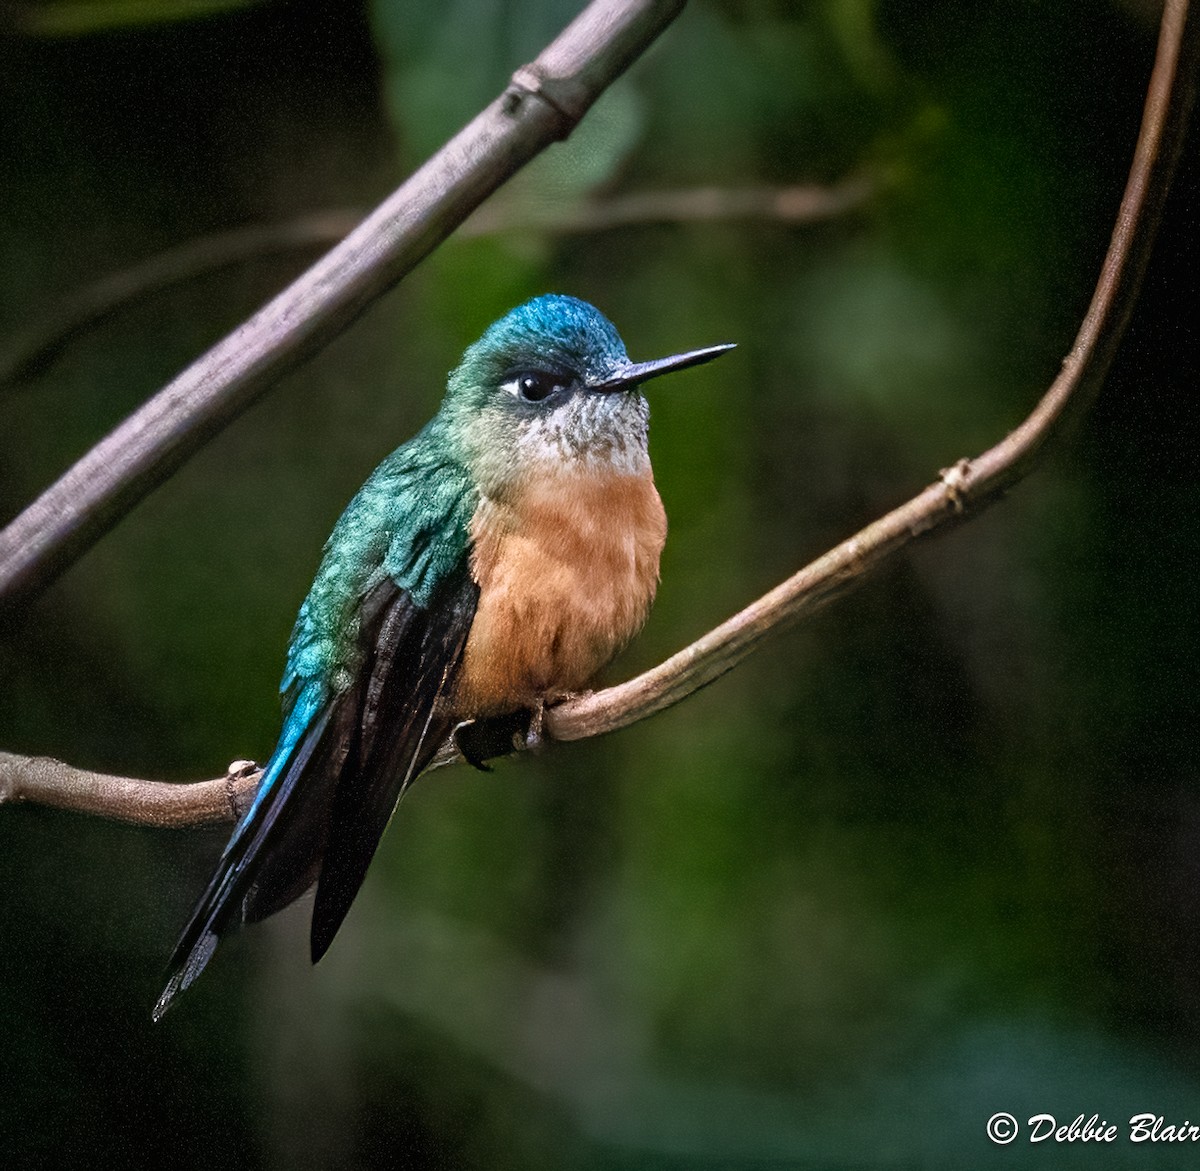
{"x": 543, "y": 103}
{"x": 800, "y": 203}
{"x": 30, "y": 349}
{"x": 43, "y": 781}
{"x": 960, "y": 492}
{"x": 970, "y": 485}
{"x": 37, "y": 344}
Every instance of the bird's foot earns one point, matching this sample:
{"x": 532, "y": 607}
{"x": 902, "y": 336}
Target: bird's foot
{"x": 490, "y": 736}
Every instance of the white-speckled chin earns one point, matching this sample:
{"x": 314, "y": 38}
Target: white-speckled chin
{"x": 505, "y": 443}
{"x": 604, "y": 432}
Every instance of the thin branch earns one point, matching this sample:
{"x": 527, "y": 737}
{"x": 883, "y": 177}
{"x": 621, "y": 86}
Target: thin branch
{"x": 34, "y": 347}
{"x": 26, "y": 353}
{"x": 961, "y": 491}
{"x": 802, "y": 203}
{"x": 543, "y": 103}
{"x": 40, "y": 780}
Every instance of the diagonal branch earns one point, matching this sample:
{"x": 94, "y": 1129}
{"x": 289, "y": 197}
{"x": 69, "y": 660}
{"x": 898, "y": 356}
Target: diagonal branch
{"x": 542, "y": 103}
{"x": 960, "y": 492}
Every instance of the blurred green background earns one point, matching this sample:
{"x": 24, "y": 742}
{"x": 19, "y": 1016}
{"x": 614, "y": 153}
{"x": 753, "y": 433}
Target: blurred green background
{"x": 929, "y": 856}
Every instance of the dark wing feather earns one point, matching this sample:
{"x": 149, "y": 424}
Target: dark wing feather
{"x": 293, "y": 862}
{"x": 404, "y": 717}
{"x": 356, "y": 754}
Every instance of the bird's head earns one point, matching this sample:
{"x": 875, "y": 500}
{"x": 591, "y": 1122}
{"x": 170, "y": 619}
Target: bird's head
{"x": 550, "y": 387}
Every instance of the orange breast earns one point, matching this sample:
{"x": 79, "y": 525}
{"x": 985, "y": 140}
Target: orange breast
{"x": 567, "y": 567}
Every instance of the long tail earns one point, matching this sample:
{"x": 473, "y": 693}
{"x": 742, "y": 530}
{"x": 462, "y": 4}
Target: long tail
{"x": 264, "y": 823}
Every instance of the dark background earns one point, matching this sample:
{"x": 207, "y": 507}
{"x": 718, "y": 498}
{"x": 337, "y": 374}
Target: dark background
{"x": 929, "y": 856}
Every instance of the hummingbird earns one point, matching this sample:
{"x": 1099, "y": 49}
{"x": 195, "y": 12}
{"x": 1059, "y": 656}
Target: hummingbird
{"x": 493, "y": 563}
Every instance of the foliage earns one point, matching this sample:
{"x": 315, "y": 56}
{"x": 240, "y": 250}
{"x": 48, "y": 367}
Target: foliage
{"x": 924, "y": 859}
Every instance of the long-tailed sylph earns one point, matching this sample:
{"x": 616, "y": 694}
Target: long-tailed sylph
{"x": 496, "y": 561}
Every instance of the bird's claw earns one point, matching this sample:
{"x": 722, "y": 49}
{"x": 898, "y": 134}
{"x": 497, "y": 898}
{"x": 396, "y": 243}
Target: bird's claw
{"x": 534, "y": 738}
{"x": 482, "y": 739}
{"x": 469, "y": 740}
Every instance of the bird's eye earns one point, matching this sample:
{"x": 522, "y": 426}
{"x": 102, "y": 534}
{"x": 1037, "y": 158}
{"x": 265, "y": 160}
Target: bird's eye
{"x": 533, "y": 385}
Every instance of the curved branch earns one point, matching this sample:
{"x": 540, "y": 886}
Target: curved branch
{"x": 971, "y": 485}
{"x": 543, "y": 103}
{"x": 960, "y": 492}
